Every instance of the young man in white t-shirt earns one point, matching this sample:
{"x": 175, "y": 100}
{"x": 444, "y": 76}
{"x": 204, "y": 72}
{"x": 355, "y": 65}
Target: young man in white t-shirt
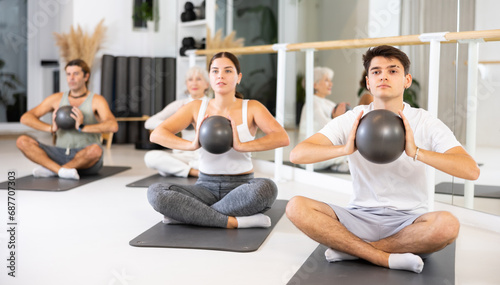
{"x": 387, "y": 221}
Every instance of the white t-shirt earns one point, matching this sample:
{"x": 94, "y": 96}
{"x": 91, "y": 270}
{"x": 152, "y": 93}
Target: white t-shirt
{"x": 322, "y": 110}
{"x": 401, "y": 184}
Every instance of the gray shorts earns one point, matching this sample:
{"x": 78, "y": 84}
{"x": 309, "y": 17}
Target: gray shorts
{"x": 373, "y": 224}
{"x": 61, "y": 157}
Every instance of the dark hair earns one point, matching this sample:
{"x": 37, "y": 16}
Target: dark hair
{"x": 82, "y": 64}
{"x": 233, "y": 59}
{"x": 362, "y": 82}
{"x": 386, "y": 51}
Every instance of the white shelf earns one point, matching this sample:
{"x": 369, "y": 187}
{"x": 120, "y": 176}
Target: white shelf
{"x": 197, "y": 30}
{"x": 195, "y": 23}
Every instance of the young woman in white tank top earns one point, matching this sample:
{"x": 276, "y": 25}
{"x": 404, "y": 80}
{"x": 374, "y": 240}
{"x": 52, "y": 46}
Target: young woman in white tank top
{"x": 224, "y": 74}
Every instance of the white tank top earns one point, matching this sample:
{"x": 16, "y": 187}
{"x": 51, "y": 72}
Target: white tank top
{"x": 230, "y": 162}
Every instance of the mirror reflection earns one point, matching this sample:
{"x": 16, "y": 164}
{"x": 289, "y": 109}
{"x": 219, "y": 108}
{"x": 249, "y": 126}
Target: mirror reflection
{"x": 362, "y": 19}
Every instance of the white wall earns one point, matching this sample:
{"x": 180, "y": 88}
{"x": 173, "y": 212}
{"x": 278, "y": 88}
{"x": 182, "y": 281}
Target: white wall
{"x": 488, "y": 129}
{"x": 384, "y": 18}
{"x": 121, "y": 39}
{"x": 341, "y": 20}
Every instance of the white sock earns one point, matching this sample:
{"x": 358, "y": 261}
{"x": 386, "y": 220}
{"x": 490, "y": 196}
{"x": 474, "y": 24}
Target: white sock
{"x": 334, "y": 256}
{"x": 68, "y": 173}
{"x": 254, "y": 221}
{"x": 41, "y": 171}
{"x": 170, "y": 221}
{"x": 406, "y": 261}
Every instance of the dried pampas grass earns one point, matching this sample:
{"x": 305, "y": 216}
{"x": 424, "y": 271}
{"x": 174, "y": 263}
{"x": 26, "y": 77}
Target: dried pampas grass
{"x": 217, "y": 42}
{"x": 79, "y": 44}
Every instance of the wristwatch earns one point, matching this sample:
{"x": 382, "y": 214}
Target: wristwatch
{"x": 80, "y": 127}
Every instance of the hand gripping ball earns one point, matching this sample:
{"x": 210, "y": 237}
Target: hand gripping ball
{"x": 216, "y": 134}
{"x": 63, "y": 118}
{"x": 380, "y": 137}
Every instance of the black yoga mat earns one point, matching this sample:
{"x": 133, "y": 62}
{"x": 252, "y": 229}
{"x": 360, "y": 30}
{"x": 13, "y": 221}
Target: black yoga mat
{"x": 193, "y": 237}
{"x": 439, "y": 268}
{"x": 58, "y": 184}
{"x": 157, "y": 178}
{"x": 480, "y": 191}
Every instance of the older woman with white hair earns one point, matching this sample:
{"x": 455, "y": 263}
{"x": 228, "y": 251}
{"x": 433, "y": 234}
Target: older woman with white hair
{"x": 324, "y": 111}
{"x": 177, "y": 162}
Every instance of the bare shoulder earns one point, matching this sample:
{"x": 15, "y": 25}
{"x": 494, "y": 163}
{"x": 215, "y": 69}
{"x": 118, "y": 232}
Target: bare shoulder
{"x": 255, "y": 106}
{"x": 52, "y": 100}
{"x": 99, "y": 101}
{"x": 99, "y": 98}
{"x": 193, "y": 105}
{"x": 55, "y": 97}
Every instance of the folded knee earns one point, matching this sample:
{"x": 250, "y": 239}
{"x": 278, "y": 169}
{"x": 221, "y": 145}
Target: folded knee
{"x": 153, "y": 192}
{"x": 24, "y": 142}
{"x": 295, "y": 207}
{"x": 267, "y": 188}
{"x": 448, "y": 227}
{"x": 158, "y": 194}
{"x": 94, "y": 151}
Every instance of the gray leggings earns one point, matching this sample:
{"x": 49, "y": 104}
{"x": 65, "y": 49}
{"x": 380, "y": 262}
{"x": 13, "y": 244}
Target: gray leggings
{"x": 213, "y": 199}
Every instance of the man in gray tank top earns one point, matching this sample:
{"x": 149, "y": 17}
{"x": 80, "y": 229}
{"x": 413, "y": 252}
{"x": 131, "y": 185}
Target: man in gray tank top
{"x": 77, "y": 150}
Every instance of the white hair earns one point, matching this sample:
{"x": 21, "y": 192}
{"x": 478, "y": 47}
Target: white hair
{"x": 320, "y": 72}
{"x": 197, "y": 70}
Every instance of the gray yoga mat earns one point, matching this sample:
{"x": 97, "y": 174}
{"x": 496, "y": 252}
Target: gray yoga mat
{"x": 193, "y": 237}
{"x": 57, "y": 184}
{"x": 439, "y": 268}
{"x": 157, "y": 178}
{"x": 480, "y": 191}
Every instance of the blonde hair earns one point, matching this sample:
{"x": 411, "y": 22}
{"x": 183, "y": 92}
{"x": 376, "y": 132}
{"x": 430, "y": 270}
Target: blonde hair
{"x": 197, "y": 70}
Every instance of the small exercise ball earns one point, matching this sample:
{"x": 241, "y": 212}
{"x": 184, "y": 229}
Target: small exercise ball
{"x": 216, "y": 134}
{"x": 63, "y": 118}
{"x": 380, "y": 137}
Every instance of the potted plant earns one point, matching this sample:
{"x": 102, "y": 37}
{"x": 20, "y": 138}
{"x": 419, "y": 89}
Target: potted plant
{"x": 144, "y": 14}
